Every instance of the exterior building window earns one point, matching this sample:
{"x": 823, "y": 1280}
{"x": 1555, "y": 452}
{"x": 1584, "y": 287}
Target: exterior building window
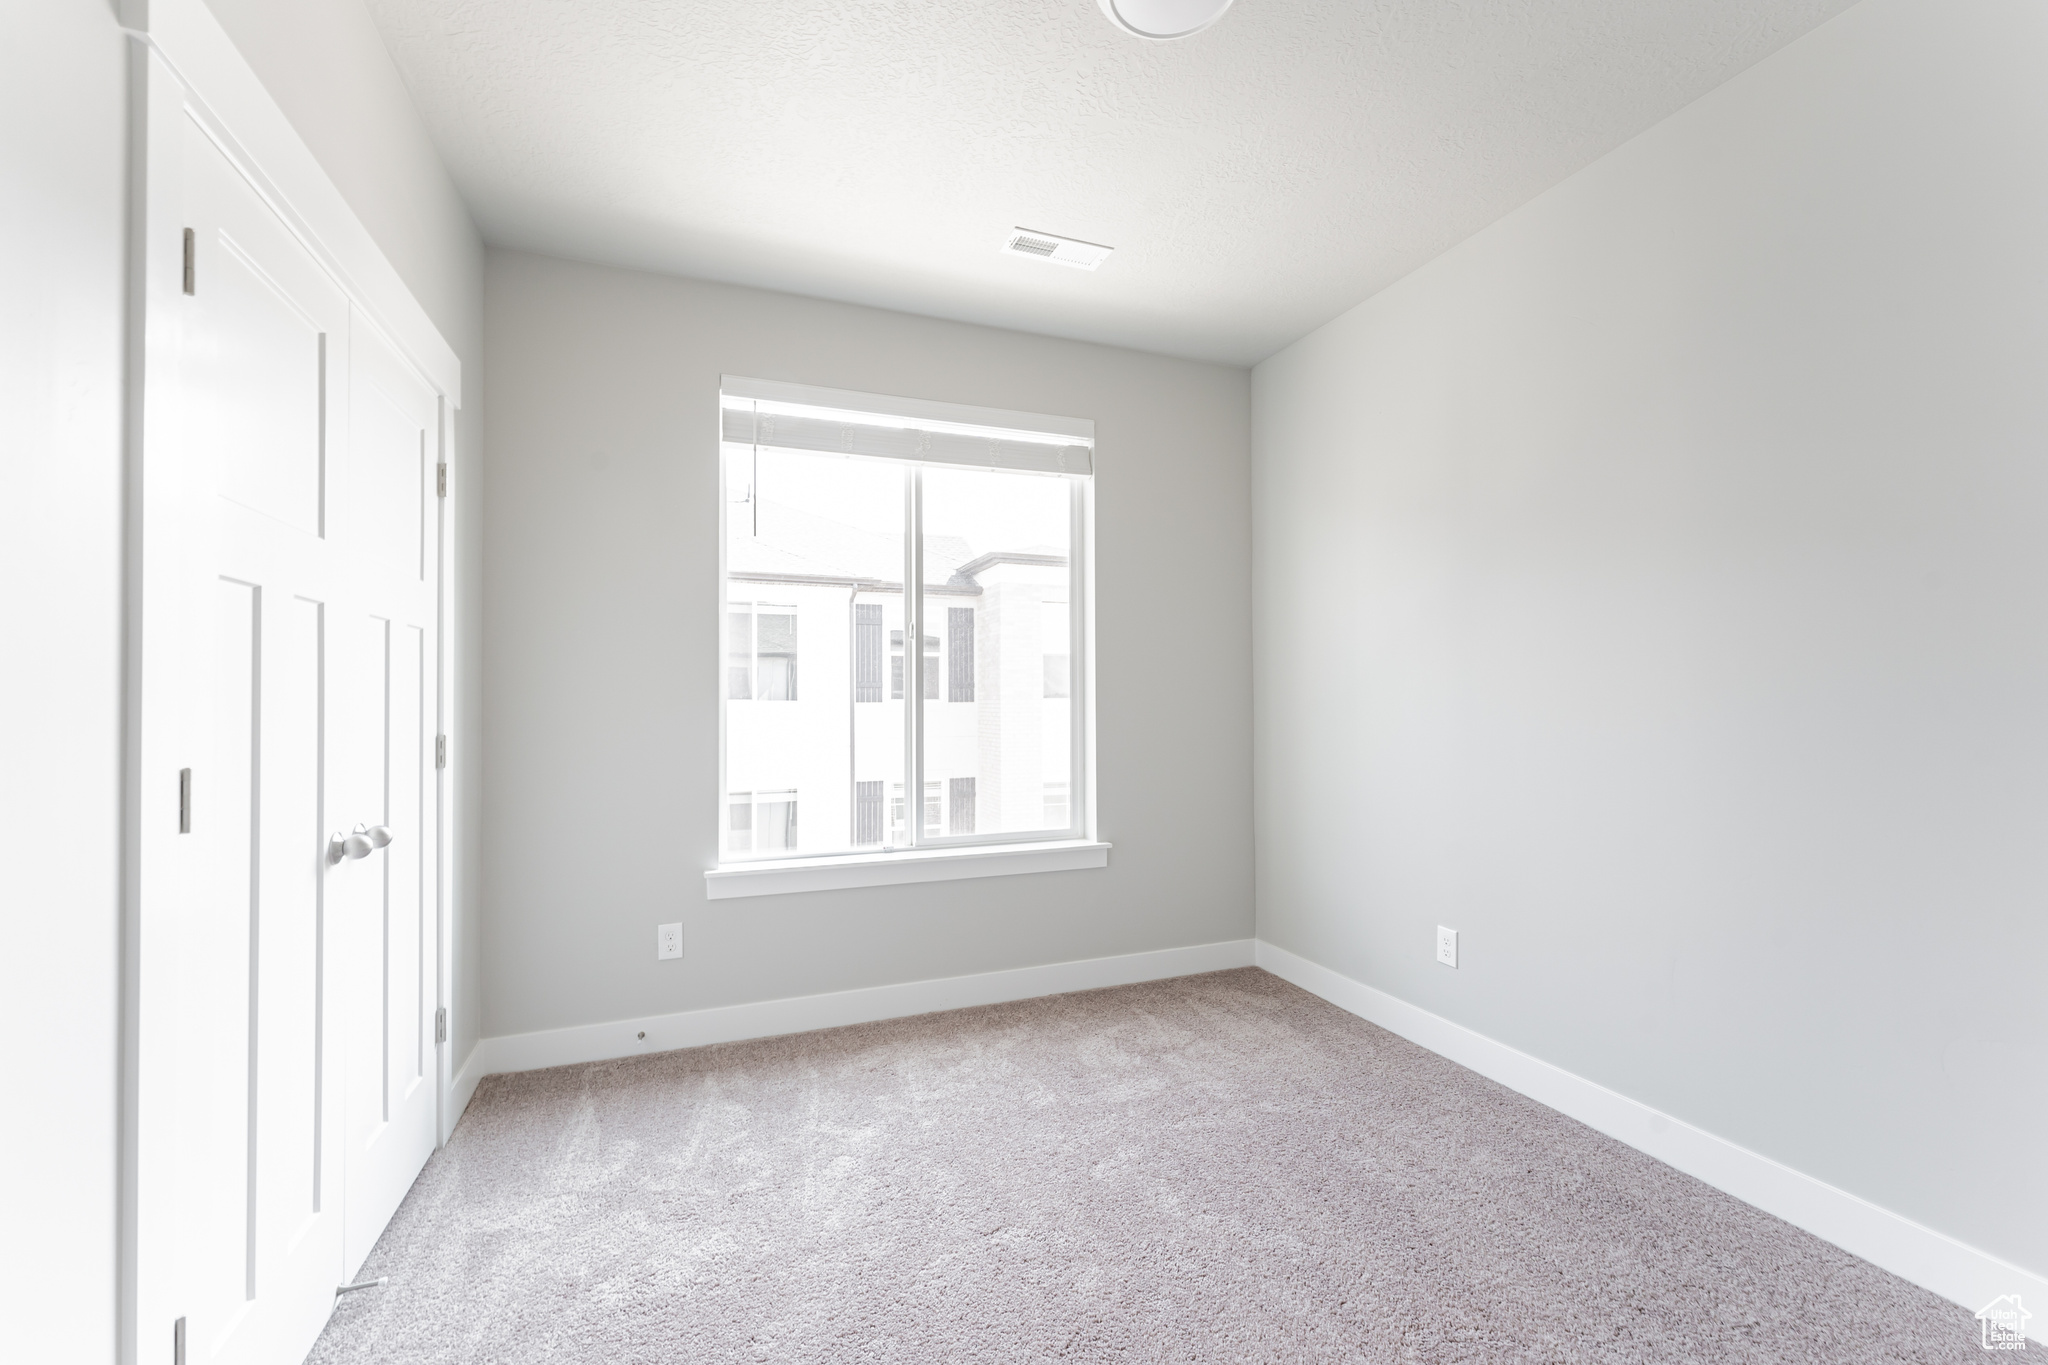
{"x": 760, "y": 652}
{"x": 857, "y": 525}
{"x": 739, "y": 655}
{"x": 960, "y": 801}
{"x": 1059, "y": 667}
{"x": 760, "y": 820}
{"x": 775, "y": 820}
{"x": 959, "y": 653}
{"x": 867, "y": 653}
{"x": 867, "y": 813}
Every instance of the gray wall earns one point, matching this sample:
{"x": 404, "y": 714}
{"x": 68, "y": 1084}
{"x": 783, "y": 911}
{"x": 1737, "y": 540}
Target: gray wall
{"x": 61, "y": 146}
{"x": 1654, "y": 588}
{"x": 602, "y": 631}
{"x": 325, "y": 64}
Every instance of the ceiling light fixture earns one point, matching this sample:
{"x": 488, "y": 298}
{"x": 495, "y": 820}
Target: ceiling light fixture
{"x": 1054, "y": 249}
{"x": 1163, "y": 20}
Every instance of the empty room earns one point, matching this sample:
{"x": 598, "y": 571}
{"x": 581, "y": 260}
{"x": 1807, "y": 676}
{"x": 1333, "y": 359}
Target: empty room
{"x": 1188, "y": 681}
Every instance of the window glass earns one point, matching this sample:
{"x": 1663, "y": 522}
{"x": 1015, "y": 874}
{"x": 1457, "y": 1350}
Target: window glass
{"x": 858, "y": 717}
{"x": 814, "y": 552}
{"x": 997, "y": 580}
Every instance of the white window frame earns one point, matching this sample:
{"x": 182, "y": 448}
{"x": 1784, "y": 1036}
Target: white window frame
{"x": 941, "y": 857}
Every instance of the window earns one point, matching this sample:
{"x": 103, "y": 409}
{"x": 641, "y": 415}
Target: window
{"x": 931, "y": 654}
{"x": 1059, "y": 667}
{"x": 760, "y": 652}
{"x": 959, "y": 653}
{"x": 867, "y": 653}
{"x": 925, "y": 562}
{"x": 960, "y": 798}
{"x": 867, "y": 813}
{"x": 760, "y": 820}
{"x": 775, "y": 820}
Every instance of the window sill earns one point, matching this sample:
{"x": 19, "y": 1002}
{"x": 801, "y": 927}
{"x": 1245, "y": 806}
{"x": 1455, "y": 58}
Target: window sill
{"x": 893, "y": 869}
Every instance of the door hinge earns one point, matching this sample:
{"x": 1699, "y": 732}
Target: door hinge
{"x": 191, "y": 262}
{"x": 441, "y": 480}
{"x": 184, "y": 800}
{"x": 441, "y": 1024}
{"x": 440, "y": 751}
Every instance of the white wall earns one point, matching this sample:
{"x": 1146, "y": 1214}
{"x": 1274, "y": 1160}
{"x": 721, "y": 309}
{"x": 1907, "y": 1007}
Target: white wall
{"x": 63, "y": 149}
{"x": 1654, "y": 588}
{"x": 325, "y": 64}
{"x": 62, "y": 106}
{"x": 602, "y": 639}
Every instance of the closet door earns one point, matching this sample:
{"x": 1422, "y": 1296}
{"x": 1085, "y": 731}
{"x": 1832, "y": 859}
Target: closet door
{"x": 289, "y": 1026}
{"x": 247, "y": 1020}
{"x": 385, "y": 529}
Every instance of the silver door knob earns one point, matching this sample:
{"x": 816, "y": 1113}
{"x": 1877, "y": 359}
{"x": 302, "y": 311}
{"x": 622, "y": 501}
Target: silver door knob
{"x": 358, "y": 843}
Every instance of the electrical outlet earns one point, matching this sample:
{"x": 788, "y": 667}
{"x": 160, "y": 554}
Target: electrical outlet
{"x": 1447, "y": 946}
{"x": 668, "y": 940}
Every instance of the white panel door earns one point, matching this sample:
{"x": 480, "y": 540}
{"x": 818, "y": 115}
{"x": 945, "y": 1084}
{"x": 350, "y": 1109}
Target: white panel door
{"x": 385, "y": 517}
{"x": 290, "y": 1026}
{"x": 259, "y": 1228}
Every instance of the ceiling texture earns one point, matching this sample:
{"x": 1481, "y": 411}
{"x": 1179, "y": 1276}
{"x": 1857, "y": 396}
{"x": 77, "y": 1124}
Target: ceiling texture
{"x": 1256, "y": 179}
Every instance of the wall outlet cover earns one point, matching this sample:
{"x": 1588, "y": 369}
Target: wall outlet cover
{"x": 1447, "y": 946}
{"x": 668, "y": 940}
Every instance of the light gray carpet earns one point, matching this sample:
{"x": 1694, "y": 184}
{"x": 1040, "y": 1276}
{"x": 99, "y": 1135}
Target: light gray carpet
{"x": 1219, "y": 1168}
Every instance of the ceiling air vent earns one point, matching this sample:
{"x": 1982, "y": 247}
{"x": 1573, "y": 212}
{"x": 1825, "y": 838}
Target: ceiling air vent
{"x": 1045, "y": 246}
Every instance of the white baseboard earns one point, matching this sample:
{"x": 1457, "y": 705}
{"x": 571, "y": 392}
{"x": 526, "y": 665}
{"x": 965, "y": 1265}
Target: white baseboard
{"x": 767, "y": 1018}
{"x": 1928, "y": 1258}
{"x": 462, "y": 1086}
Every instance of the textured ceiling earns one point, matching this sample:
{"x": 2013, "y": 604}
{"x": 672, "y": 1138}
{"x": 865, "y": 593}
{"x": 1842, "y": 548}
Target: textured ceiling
{"x": 1256, "y": 179}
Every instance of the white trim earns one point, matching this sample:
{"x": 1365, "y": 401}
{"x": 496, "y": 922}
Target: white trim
{"x": 769, "y": 1018}
{"x": 1930, "y": 1259}
{"x": 256, "y": 133}
{"x": 894, "y": 869}
{"x": 987, "y": 421}
{"x": 462, "y": 1087}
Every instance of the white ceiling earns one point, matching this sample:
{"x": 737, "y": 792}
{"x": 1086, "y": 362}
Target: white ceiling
{"x": 1256, "y": 179}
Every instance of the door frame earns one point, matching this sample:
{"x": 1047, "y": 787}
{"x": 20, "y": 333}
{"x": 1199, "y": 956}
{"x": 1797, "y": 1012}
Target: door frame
{"x": 182, "y": 65}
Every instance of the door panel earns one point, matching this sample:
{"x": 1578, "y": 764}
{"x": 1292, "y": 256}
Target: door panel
{"x": 389, "y": 459}
{"x": 268, "y": 424}
{"x": 216, "y": 1081}
{"x": 290, "y": 1058}
{"x": 407, "y": 904}
{"x": 382, "y": 517}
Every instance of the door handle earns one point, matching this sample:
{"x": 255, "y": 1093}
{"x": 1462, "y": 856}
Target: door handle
{"x": 358, "y": 843}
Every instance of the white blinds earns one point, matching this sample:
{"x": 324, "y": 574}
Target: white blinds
{"x": 802, "y": 417}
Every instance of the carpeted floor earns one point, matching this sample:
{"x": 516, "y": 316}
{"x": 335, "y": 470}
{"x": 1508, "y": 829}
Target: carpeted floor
{"x": 1217, "y": 1168}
